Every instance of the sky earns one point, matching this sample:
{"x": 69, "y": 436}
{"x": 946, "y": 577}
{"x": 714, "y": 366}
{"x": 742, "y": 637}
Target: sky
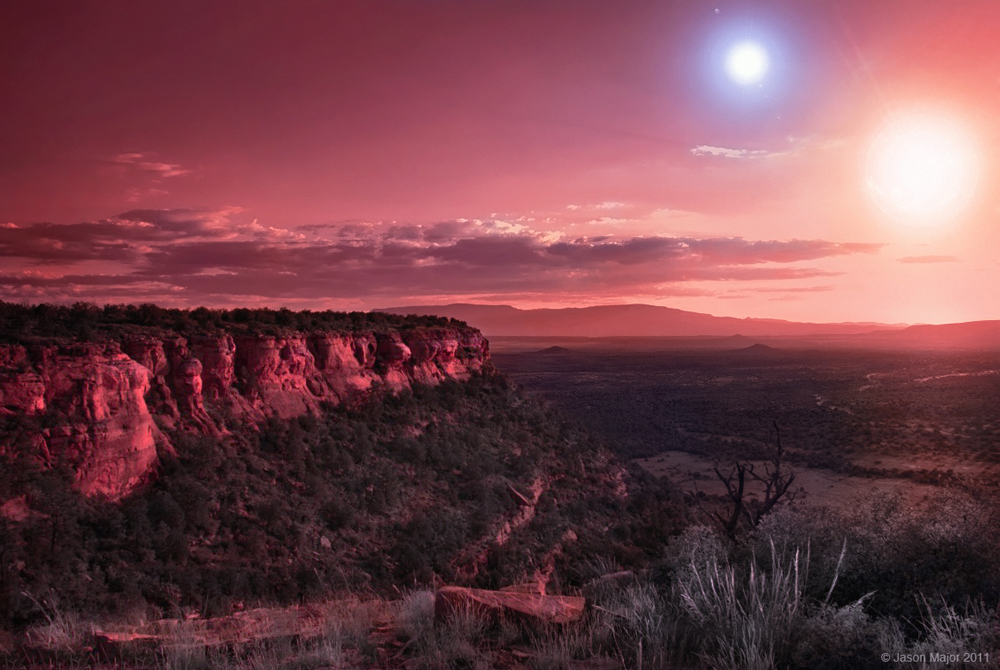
{"x": 357, "y": 155}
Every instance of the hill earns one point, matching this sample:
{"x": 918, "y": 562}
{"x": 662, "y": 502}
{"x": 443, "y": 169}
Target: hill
{"x": 624, "y": 321}
{"x": 981, "y": 335}
{"x": 650, "y": 321}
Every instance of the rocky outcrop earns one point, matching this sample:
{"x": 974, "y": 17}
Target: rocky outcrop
{"x": 304, "y": 622}
{"x": 100, "y": 399}
{"x": 507, "y": 605}
{"x": 96, "y": 395}
{"x": 474, "y": 558}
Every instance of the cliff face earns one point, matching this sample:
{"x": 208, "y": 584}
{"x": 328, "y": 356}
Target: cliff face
{"x": 103, "y": 403}
{"x": 95, "y": 395}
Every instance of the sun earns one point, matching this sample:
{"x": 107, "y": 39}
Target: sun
{"x": 746, "y": 62}
{"x": 922, "y": 168}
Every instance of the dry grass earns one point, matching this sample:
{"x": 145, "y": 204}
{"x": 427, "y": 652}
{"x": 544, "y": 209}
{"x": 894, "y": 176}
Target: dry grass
{"x": 949, "y": 632}
{"x": 62, "y": 631}
{"x": 459, "y": 642}
{"x": 718, "y": 613}
{"x": 335, "y": 634}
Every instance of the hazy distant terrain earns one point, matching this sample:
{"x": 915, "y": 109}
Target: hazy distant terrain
{"x": 624, "y": 321}
{"x": 855, "y": 411}
{"x": 695, "y": 330}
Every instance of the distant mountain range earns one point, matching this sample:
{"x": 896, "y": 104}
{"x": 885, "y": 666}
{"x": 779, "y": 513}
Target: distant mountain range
{"x": 625, "y": 321}
{"x": 655, "y": 321}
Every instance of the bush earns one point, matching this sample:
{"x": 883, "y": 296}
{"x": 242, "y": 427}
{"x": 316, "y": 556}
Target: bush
{"x": 899, "y": 549}
{"x": 946, "y": 631}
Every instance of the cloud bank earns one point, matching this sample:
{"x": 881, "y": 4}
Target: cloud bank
{"x": 188, "y": 256}
{"x": 143, "y": 163}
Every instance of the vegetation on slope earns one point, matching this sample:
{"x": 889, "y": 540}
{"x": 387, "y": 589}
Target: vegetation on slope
{"x": 86, "y": 321}
{"x": 393, "y": 492}
{"x": 834, "y": 591}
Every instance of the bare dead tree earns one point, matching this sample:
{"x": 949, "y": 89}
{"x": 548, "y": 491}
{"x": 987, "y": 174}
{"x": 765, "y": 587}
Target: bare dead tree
{"x": 735, "y": 492}
{"x": 776, "y": 484}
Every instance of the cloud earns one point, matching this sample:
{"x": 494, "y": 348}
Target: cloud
{"x": 927, "y": 259}
{"x": 190, "y": 256}
{"x": 797, "y": 146}
{"x": 142, "y": 163}
{"x": 706, "y": 150}
{"x": 737, "y": 251}
{"x": 445, "y": 230}
{"x": 609, "y": 221}
{"x": 122, "y": 238}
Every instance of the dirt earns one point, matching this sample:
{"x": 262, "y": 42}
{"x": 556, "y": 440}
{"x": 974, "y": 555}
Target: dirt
{"x": 812, "y": 486}
{"x": 939, "y": 461}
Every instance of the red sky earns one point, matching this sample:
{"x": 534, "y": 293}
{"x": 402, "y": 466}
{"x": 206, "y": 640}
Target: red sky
{"x": 354, "y": 155}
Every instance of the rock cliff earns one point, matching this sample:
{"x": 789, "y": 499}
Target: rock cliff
{"x": 99, "y": 407}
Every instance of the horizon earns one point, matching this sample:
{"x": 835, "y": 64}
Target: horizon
{"x": 631, "y": 304}
{"x": 823, "y": 162}
{"x": 449, "y": 311}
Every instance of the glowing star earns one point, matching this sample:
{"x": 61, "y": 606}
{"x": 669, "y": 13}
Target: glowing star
{"x": 746, "y": 62}
{"x": 922, "y": 169}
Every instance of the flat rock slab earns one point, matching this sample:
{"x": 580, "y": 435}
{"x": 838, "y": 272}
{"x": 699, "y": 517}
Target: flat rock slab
{"x": 306, "y": 621}
{"x": 498, "y": 604}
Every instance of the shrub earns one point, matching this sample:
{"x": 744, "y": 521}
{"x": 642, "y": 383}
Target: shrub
{"x": 948, "y": 632}
{"x": 458, "y": 642}
{"x": 641, "y": 626}
{"x": 745, "y": 620}
{"x": 898, "y": 549}
{"x": 838, "y": 638}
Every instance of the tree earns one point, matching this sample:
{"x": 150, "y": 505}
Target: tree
{"x": 776, "y": 484}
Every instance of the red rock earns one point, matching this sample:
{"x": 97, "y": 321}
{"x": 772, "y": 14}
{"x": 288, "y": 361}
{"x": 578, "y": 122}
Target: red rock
{"x": 109, "y": 436}
{"x": 392, "y": 350}
{"x": 218, "y": 359}
{"x": 17, "y": 509}
{"x": 22, "y": 392}
{"x": 343, "y": 364}
{"x": 528, "y": 587}
{"x": 148, "y": 352}
{"x": 255, "y": 625}
{"x": 109, "y": 398}
{"x": 535, "y": 607}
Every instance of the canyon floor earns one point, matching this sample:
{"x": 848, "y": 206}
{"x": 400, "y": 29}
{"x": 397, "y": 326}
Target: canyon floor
{"x": 697, "y": 477}
{"x": 848, "y": 419}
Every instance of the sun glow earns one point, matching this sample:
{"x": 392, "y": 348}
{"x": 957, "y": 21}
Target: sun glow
{"x": 922, "y": 169}
{"x": 746, "y": 62}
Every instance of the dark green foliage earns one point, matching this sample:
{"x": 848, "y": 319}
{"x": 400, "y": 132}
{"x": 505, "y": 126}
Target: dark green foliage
{"x": 86, "y": 321}
{"x": 393, "y": 491}
{"x": 899, "y": 549}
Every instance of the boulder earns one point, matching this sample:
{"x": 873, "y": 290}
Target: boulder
{"x": 496, "y": 605}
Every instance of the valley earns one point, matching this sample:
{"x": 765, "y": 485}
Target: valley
{"x": 927, "y": 416}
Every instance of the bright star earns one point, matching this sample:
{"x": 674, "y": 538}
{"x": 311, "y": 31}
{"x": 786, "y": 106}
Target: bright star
{"x": 746, "y": 62}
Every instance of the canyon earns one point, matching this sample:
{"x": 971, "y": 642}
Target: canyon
{"x": 106, "y": 408}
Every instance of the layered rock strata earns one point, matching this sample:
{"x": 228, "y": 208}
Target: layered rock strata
{"x": 103, "y": 403}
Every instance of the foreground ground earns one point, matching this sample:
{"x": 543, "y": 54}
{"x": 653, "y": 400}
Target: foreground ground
{"x": 815, "y": 588}
{"x": 882, "y": 551}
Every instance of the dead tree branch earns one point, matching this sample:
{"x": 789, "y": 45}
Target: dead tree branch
{"x": 776, "y": 485}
